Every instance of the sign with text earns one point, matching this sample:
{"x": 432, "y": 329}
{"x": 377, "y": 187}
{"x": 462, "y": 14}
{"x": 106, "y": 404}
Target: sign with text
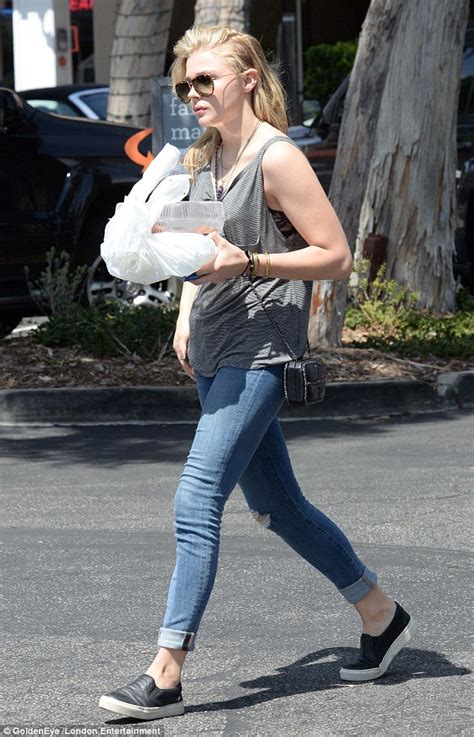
{"x": 173, "y": 121}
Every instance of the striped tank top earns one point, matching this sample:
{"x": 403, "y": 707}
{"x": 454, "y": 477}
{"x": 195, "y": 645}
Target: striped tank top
{"x": 228, "y": 324}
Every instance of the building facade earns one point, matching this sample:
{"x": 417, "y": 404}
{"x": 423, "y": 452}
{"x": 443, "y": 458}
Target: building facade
{"x": 45, "y": 43}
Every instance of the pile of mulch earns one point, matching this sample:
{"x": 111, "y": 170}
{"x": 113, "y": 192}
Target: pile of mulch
{"x": 26, "y": 364}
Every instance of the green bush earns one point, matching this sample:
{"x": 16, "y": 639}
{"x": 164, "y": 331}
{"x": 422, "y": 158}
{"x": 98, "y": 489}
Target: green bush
{"x": 465, "y": 302}
{"x": 111, "y": 328}
{"x": 380, "y": 290}
{"x": 58, "y": 287}
{"x": 450, "y": 336}
{"x": 388, "y": 313}
{"x": 327, "y": 65}
{"x": 379, "y": 304}
{"x": 108, "y": 328}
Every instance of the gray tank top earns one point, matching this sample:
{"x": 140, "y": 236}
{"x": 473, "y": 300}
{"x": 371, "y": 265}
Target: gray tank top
{"x": 228, "y": 324}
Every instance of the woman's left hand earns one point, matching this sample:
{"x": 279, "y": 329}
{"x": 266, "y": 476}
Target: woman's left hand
{"x": 230, "y": 261}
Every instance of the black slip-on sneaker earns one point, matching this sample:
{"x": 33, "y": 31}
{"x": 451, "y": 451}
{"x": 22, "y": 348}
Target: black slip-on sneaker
{"x": 143, "y": 699}
{"x": 376, "y": 653}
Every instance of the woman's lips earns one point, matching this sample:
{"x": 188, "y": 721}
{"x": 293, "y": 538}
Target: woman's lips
{"x": 199, "y": 110}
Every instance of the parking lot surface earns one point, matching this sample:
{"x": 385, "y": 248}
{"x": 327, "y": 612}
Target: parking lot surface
{"x": 88, "y": 536}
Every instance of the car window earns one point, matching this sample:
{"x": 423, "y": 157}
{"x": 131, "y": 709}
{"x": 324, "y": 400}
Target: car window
{"x": 53, "y": 106}
{"x": 97, "y": 101}
{"x": 311, "y": 112}
{"x": 340, "y": 111}
{"x": 466, "y": 91}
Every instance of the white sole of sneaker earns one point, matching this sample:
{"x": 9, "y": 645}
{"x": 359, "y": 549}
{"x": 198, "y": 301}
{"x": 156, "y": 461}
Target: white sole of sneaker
{"x": 368, "y": 674}
{"x": 141, "y": 712}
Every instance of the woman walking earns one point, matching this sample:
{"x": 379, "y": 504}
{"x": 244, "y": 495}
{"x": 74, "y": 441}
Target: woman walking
{"x": 281, "y": 233}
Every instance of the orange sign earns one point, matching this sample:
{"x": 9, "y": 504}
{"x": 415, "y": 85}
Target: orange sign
{"x": 131, "y": 148}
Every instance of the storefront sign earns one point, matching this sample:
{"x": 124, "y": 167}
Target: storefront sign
{"x": 173, "y": 121}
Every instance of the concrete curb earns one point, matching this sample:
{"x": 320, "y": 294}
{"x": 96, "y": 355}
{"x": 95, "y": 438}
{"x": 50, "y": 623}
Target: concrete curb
{"x": 453, "y": 391}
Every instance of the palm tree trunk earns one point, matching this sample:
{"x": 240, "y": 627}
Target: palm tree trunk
{"x": 206, "y": 13}
{"x": 233, "y": 13}
{"x": 138, "y": 53}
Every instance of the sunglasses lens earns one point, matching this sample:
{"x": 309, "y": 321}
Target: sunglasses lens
{"x": 204, "y": 85}
{"x": 182, "y": 91}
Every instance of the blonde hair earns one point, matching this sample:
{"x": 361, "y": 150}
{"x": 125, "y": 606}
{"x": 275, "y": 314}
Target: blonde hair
{"x": 241, "y": 51}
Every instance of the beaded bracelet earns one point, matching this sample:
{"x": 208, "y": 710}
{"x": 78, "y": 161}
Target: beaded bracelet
{"x": 253, "y": 263}
{"x": 247, "y": 270}
{"x": 250, "y": 270}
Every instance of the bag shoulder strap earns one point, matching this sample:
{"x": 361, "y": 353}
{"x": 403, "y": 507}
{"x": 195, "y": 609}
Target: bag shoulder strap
{"x": 285, "y": 342}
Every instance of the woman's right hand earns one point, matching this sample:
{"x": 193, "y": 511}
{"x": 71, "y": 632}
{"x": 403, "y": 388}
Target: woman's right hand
{"x": 180, "y": 345}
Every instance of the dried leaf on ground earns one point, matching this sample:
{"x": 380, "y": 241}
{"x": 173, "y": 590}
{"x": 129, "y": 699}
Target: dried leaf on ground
{"x": 26, "y": 364}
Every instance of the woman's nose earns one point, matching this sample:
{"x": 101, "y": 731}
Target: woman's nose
{"x": 192, "y": 94}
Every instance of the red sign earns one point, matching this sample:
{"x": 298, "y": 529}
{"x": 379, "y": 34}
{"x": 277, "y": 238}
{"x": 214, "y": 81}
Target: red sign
{"x": 75, "y": 5}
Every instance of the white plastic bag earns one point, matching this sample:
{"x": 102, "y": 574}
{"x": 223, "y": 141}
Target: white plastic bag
{"x": 131, "y": 251}
{"x": 163, "y": 255}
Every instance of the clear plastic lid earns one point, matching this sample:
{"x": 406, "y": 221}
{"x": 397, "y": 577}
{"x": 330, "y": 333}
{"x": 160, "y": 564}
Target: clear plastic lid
{"x": 191, "y": 217}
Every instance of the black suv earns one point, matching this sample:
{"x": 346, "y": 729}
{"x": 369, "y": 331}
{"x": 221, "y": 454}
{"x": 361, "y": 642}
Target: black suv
{"x": 60, "y": 179}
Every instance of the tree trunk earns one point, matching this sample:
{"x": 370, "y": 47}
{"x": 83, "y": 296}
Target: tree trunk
{"x": 233, "y": 13}
{"x": 138, "y": 53}
{"x": 395, "y": 167}
{"x": 206, "y": 13}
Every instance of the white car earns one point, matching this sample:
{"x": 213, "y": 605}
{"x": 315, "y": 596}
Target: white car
{"x": 77, "y": 100}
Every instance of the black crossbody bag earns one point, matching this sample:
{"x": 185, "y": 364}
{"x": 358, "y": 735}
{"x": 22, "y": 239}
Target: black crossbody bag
{"x": 304, "y": 379}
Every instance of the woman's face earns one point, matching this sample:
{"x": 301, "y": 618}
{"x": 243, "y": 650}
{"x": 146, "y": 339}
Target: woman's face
{"x": 226, "y": 101}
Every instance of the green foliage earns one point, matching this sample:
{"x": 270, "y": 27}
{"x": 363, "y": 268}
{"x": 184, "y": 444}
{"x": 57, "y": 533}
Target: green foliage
{"x": 111, "y": 328}
{"x": 464, "y": 301}
{"x": 388, "y": 314}
{"x": 58, "y": 288}
{"x": 380, "y": 303}
{"x": 327, "y": 65}
{"x": 421, "y": 335}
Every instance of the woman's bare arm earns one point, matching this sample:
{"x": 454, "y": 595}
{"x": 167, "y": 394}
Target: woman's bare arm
{"x": 291, "y": 186}
{"x": 182, "y": 333}
{"x": 188, "y": 295}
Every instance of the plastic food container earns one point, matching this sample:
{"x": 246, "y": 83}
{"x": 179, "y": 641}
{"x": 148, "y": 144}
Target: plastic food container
{"x": 191, "y": 217}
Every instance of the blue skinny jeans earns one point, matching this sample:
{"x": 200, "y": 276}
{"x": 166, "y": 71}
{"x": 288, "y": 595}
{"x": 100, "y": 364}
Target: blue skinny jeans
{"x": 239, "y": 440}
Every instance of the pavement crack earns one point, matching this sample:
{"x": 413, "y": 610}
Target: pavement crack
{"x": 403, "y": 701}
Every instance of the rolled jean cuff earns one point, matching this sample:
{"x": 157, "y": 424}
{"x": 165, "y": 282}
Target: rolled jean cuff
{"x": 360, "y": 588}
{"x": 176, "y": 639}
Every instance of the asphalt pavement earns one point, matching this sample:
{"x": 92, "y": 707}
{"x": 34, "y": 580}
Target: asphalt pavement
{"x": 88, "y": 537}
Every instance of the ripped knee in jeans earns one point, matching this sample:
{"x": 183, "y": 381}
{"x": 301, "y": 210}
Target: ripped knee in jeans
{"x": 263, "y": 519}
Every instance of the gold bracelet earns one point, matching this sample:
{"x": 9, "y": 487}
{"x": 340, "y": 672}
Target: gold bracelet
{"x": 257, "y": 263}
{"x": 267, "y": 264}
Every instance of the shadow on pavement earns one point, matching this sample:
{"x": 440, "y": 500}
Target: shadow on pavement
{"x": 114, "y": 446}
{"x": 319, "y": 671}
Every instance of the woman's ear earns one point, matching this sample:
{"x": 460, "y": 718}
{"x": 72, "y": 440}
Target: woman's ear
{"x": 250, "y": 78}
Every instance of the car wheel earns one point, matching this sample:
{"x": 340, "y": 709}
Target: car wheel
{"x": 100, "y": 285}
{"x": 8, "y": 323}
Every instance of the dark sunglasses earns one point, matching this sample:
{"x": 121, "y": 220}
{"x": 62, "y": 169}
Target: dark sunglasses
{"x": 203, "y": 84}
